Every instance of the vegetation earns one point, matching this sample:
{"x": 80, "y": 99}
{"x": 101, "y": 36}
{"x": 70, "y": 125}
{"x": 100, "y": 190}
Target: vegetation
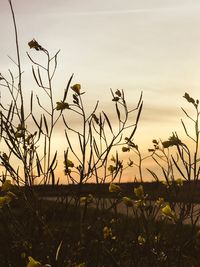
{"x": 43, "y": 223}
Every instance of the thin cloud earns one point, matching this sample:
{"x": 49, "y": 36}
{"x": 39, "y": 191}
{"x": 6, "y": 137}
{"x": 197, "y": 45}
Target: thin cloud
{"x": 159, "y": 114}
{"x": 130, "y": 11}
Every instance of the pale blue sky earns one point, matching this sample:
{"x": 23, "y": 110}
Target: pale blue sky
{"x": 138, "y": 45}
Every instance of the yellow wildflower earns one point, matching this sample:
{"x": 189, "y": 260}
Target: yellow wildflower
{"x": 34, "y": 44}
{"x": 6, "y": 186}
{"x": 111, "y": 168}
{"x": 88, "y": 199}
{"x": 5, "y": 200}
{"x": 83, "y": 200}
{"x": 179, "y": 182}
{"x": 125, "y": 149}
{"x": 76, "y": 88}
{"x": 141, "y": 240}
{"x": 140, "y": 203}
{"x": 160, "y": 201}
{"x": 127, "y": 201}
{"x": 19, "y": 134}
{"x": 107, "y": 232}
{"x": 114, "y": 188}
{"x": 198, "y": 233}
{"x": 157, "y": 238}
{"x": 33, "y": 263}
{"x": 167, "y": 211}
{"x": 81, "y": 265}
{"x": 167, "y": 184}
{"x": 68, "y": 164}
{"x": 139, "y": 192}
{"x": 62, "y": 105}
{"x": 130, "y": 163}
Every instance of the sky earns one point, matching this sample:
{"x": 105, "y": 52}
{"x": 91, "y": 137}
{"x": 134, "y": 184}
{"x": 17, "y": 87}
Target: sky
{"x": 136, "y": 45}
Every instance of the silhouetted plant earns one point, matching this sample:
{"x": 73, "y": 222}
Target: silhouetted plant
{"x": 125, "y": 225}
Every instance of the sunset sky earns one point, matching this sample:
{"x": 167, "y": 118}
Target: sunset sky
{"x": 138, "y": 45}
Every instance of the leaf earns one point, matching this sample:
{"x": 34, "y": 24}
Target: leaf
{"x": 34, "y": 75}
{"x": 52, "y": 177}
{"x": 9, "y": 112}
{"x": 35, "y": 121}
{"x": 38, "y": 164}
{"x": 109, "y": 124}
{"x": 40, "y": 128}
{"x": 96, "y": 148}
{"x": 45, "y": 123}
{"x": 67, "y": 88}
{"x": 118, "y": 112}
{"x": 53, "y": 161}
{"x": 153, "y": 174}
{"x": 58, "y": 250}
{"x": 178, "y": 168}
{"x": 31, "y": 102}
{"x": 80, "y": 142}
{"x": 137, "y": 120}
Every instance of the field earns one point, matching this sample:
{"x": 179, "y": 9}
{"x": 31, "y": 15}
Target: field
{"x": 95, "y": 232}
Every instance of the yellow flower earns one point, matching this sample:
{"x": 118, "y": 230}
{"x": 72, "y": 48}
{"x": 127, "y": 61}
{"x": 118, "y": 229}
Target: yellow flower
{"x": 139, "y": 192}
{"x": 140, "y": 203}
{"x": 111, "y": 168}
{"x": 69, "y": 163}
{"x": 19, "y": 134}
{"x": 179, "y": 182}
{"x": 5, "y": 200}
{"x": 141, "y": 240}
{"x": 107, "y": 232}
{"x": 130, "y": 163}
{"x": 127, "y": 201}
{"x": 81, "y": 265}
{"x": 198, "y": 233}
{"x": 114, "y": 188}
{"x": 62, "y": 105}
{"x": 167, "y": 211}
{"x": 88, "y": 199}
{"x": 34, "y": 44}
{"x": 33, "y": 263}
{"x": 157, "y": 238}
{"x": 125, "y": 149}
{"x": 6, "y": 186}
{"x": 160, "y": 201}
{"x": 83, "y": 200}
{"x": 21, "y": 127}
{"x": 76, "y": 88}
{"x": 167, "y": 184}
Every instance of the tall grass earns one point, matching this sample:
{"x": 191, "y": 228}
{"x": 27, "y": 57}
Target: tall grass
{"x": 79, "y": 229}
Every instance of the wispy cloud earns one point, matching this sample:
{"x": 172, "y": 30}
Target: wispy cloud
{"x": 131, "y": 11}
{"x": 159, "y": 114}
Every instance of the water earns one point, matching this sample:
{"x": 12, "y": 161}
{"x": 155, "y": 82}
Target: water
{"x": 185, "y": 212}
